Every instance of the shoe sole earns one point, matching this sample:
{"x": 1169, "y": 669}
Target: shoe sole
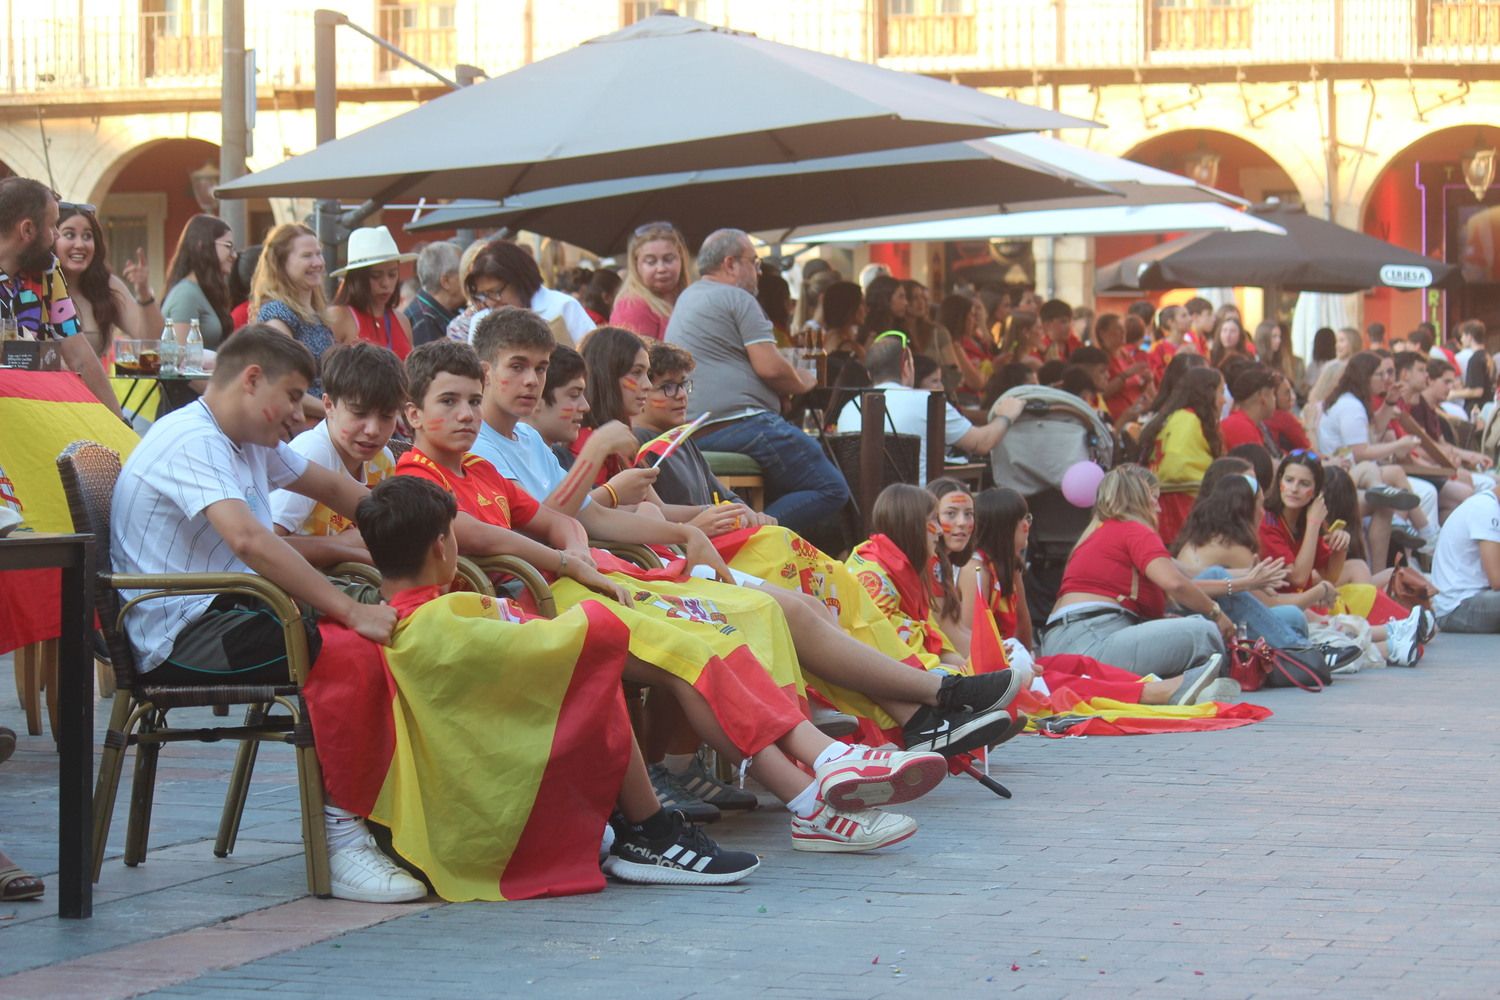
{"x": 1223, "y": 689}
{"x": 359, "y": 896}
{"x": 854, "y": 790}
{"x": 1409, "y": 501}
{"x": 1426, "y": 632}
{"x": 828, "y": 845}
{"x": 980, "y": 731}
{"x": 639, "y": 874}
{"x": 1205, "y": 677}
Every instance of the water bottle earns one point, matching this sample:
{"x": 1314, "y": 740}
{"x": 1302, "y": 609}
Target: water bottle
{"x": 169, "y": 352}
{"x": 192, "y": 348}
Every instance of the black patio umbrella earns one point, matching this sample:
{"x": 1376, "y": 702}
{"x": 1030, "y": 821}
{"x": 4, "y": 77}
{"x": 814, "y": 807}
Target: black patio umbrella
{"x": 734, "y": 100}
{"x": 1314, "y": 256}
{"x": 601, "y": 216}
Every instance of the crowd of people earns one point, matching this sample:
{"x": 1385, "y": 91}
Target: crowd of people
{"x": 482, "y": 414}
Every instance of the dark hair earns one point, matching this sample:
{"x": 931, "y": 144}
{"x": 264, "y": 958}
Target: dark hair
{"x": 1227, "y": 514}
{"x": 1135, "y": 329}
{"x": 922, "y": 366}
{"x": 1051, "y": 373}
{"x": 22, "y": 198}
{"x": 1197, "y": 305}
{"x": 1436, "y": 367}
{"x": 354, "y": 290}
{"x": 1355, "y": 379}
{"x": 364, "y": 375}
{"x": 197, "y": 256}
{"x": 399, "y": 521}
{"x": 1423, "y": 336}
{"x": 609, "y": 352}
{"x": 1273, "y": 494}
{"x": 997, "y": 511}
{"x": 1324, "y": 345}
{"x": 1407, "y": 360}
{"x": 878, "y": 314}
{"x": 1006, "y": 378}
{"x": 941, "y": 488}
{"x": 602, "y": 289}
{"x": 502, "y": 328}
{"x": 1182, "y": 362}
{"x": 565, "y": 366}
{"x": 93, "y": 283}
{"x": 1250, "y": 378}
{"x": 1259, "y": 458}
{"x": 1143, "y": 309}
{"x": 1088, "y": 356}
{"x": 953, "y": 313}
{"x": 273, "y": 351}
{"x": 1342, "y": 498}
{"x": 1077, "y": 380}
{"x": 1054, "y": 309}
{"x": 667, "y": 359}
{"x": 841, "y": 304}
{"x": 1473, "y": 329}
{"x": 243, "y": 276}
{"x": 773, "y": 293}
{"x": 1108, "y": 321}
{"x": 1376, "y": 333}
{"x": 1221, "y": 468}
{"x": 1020, "y": 324}
{"x": 505, "y": 262}
{"x": 1218, "y": 353}
{"x": 901, "y": 513}
{"x": 1197, "y": 392}
{"x": 571, "y": 280}
{"x": 435, "y": 358}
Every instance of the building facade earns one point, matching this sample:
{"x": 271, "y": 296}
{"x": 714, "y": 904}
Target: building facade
{"x": 1366, "y": 111}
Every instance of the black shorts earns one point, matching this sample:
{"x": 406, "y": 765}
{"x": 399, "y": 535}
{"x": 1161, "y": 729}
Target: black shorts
{"x": 237, "y": 640}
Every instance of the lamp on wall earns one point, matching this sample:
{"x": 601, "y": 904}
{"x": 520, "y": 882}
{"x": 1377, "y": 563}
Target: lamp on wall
{"x": 1478, "y": 165}
{"x": 203, "y": 181}
{"x": 1202, "y": 165}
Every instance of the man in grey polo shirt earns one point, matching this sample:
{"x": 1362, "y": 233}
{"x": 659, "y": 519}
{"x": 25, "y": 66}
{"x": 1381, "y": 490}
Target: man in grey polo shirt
{"x": 741, "y": 378}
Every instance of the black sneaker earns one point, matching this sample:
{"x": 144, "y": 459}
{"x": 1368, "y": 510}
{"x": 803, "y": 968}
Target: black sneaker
{"x": 686, "y": 856}
{"x": 1336, "y": 657}
{"x": 1406, "y": 539}
{"x": 980, "y": 693}
{"x": 1389, "y": 496}
{"x": 698, "y": 781}
{"x": 675, "y": 796}
{"x": 971, "y": 713}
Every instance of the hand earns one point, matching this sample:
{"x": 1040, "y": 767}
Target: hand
{"x": 137, "y": 274}
{"x": 599, "y": 583}
{"x": 1338, "y": 541}
{"x": 631, "y": 485}
{"x": 614, "y": 438}
{"x": 580, "y": 557}
{"x": 1407, "y": 445}
{"x": 1136, "y": 369}
{"x": 760, "y": 520}
{"x": 1317, "y": 513}
{"x": 1268, "y": 574}
{"x": 375, "y": 622}
{"x": 699, "y": 551}
{"x": 1226, "y": 629}
{"x": 1010, "y": 406}
{"x": 1328, "y": 594}
{"x": 721, "y": 518}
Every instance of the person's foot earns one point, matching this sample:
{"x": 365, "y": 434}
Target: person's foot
{"x": 834, "y": 832}
{"x": 675, "y": 796}
{"x": 1426, "y": 629}
{"x": 684, "y": 856}
{"x": 1389, "y": 496}
{"x": 7, "y": 743}
{"x": 971, "y": 712}
{"x": 1401, "y": 646}
{"x": 1225, "y": 689}
{"x": 864, "y": 777}
{"x": 833, "y": 723}
{"x": 361, "y": 872}
{"x": 1341, "y": 659}
{"x": 707, "y": 788}
{"x": 980, "y": 693}
{"x": 1196, "y": 679}
{"x": 1406, "y": 538}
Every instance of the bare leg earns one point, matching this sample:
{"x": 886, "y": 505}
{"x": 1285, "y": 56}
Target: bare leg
{"x": 1160, "y": 692}
{"x": 666, "y": 730}
{"x": 1452, "y": 494}
{"x": 638, "y": 799}
{"x": 1355, "y": 571}
{"x": 1379, "y": 535}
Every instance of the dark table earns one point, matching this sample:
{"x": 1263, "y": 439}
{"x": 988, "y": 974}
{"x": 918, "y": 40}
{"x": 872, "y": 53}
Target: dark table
{"x": 176, "y": 390}
{"x": 74, "y": 555}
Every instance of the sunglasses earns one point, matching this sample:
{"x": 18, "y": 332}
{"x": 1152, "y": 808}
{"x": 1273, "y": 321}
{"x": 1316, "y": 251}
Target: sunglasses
{"x": 67, "y": 208}
{"x": 1305, "y": 453}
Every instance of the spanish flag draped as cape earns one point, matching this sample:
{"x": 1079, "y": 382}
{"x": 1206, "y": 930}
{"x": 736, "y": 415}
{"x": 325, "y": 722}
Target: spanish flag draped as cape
{"x": 494, "y": 748}
{"x": 41, "y": 413}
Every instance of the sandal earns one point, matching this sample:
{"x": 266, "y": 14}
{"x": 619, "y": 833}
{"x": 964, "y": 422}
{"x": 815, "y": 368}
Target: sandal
{"x": 16, "y": 885}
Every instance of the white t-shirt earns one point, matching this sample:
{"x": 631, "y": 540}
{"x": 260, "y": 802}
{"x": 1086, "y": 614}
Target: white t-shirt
{"x": 1456, "y": 569}
{"x": 525, "y": 458}
{"x": 907, "y": 410}
{"x": 183, "y": 465}
{"x": 300, "y": 515}
{"x": 1344, "y": 425}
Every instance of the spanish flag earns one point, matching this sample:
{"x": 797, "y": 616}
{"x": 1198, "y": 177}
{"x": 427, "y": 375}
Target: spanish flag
{"x": 42, "y": 413}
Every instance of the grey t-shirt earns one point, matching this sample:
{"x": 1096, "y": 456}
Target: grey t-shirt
{"x": 716, "y": 322}
{"x": 186, "y": 302}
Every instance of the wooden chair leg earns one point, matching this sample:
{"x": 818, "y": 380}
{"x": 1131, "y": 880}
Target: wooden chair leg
{"x": 142, "y": 792}
{"x": 111, "y": 763}
{"x": 239, "y": 787}
{"x": 29, "y": 686}
{"x": 48, "y": 660}
{"x": 105, "y": 675}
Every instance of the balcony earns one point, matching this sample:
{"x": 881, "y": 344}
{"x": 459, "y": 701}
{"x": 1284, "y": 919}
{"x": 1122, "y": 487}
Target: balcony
{"x": 425, "y": 31}
{"x": 173, "y": 47}
{"x": 1462, "y": 23}
{"x": 1199, "y": 25}
{"x": 930, "y": 35}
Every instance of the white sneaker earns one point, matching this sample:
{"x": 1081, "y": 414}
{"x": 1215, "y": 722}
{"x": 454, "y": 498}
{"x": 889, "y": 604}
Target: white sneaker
{"x": 864, "y": 777}
{"x": 362, "y": 873}
{"x": 832, "y": 831}
{"x": 1401, "y": 646}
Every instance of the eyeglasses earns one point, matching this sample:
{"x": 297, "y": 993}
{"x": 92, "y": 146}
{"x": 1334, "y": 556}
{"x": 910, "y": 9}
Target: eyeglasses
{"x": 489, "y": 298}
{"x": 66, "y": 208}
{"x": 749, "y": 260}
{"x": 905, "y": 340}
{"x": 672, "y": 390}
{"x": 1027, "y": 517}
{"x": 226, "y": 244}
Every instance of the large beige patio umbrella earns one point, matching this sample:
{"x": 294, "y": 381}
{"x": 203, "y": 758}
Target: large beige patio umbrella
{"x": 728, "y": 99}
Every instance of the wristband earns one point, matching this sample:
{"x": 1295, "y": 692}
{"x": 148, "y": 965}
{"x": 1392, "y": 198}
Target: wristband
{"x": 614, "y": 498}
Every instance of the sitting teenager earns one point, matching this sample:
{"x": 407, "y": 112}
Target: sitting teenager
{"x": 1287, "y": 432}
{"x": 1293, "y": 529}
{"x": 364, "y": 388}
{"x": 955, "y": 513}
{"x": 1422, "y": 386}
{"x": 479, "y": 665}
{"x": 1466, "y": 567}
{"x": 684, "y": 477}
{"x": 889, "y": 360}
{"x": 1113, "y": 597}
{"x": 1253, "y": 389}
{"x": 950, "y": 715}
{"x": 994, "y": 581}
{"x": 1181, "y": 441}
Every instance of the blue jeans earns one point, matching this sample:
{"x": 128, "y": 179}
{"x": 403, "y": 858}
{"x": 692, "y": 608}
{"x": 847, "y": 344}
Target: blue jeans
{"x": 1281, "y": 625}
{"x": 802, "y": 486}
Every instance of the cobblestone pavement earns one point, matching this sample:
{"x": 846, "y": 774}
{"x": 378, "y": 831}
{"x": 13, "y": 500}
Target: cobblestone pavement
{"x": 1348, "y": 846}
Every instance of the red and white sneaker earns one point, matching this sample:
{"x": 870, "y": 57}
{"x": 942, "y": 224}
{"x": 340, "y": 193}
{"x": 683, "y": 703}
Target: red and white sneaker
{"x": 834, "y": 832}
{"x": 863, "y": 777}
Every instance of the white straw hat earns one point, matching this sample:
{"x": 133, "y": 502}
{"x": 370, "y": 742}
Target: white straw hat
{"x": 368, "y": 247}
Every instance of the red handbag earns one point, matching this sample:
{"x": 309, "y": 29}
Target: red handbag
{"x": 1250, "y": 663}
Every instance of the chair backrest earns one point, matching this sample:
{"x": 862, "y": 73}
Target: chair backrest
{"x": 89, "y": 471}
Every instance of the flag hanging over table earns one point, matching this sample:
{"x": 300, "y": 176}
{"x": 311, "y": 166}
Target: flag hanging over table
{"x": 42, "y": 413}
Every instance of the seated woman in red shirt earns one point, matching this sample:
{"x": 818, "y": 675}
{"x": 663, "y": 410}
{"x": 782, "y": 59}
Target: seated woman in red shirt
{"x": 1253, "y": 388}
{"x": 1293, "y": 529}
{"x": 1287, "y": 432}
{"x": 1113, "y": 597}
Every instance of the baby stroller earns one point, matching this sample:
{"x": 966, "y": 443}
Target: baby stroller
{"x": 1055, "y": 431}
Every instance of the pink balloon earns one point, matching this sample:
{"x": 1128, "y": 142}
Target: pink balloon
{"x": 1080, "y": 484}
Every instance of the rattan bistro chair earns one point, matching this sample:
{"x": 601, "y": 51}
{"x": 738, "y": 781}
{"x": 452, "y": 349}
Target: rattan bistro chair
{"x": 140, "y": 714}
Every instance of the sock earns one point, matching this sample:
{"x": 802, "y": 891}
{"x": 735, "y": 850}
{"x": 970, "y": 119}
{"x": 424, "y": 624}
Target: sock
{"x": 834, "y": 751}
{"x": 344, "y": 828}
{"x": 806, "y": 802}
{"x": 678, "y": 762}
{"x": 657, "y": 826}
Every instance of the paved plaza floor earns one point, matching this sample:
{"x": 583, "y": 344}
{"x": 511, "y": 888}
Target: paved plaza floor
{"x": 1348, "y": 846}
